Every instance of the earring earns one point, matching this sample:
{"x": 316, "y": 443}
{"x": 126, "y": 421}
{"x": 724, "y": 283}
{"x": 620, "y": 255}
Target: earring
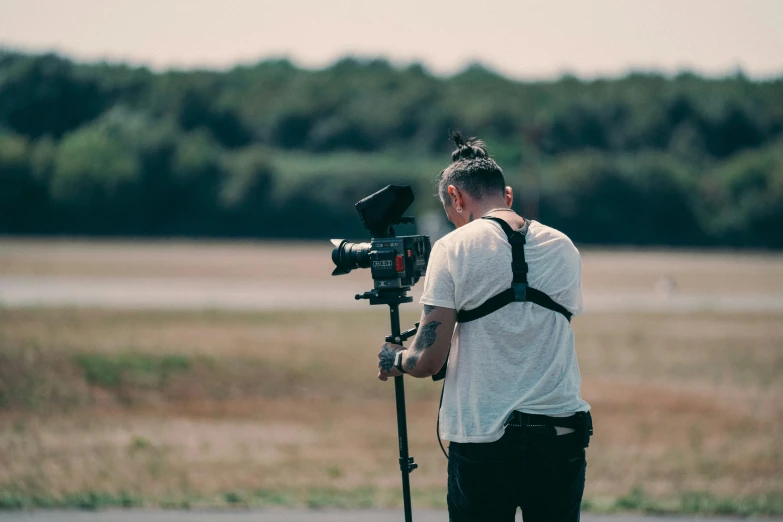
{"x": 459, "y": 210}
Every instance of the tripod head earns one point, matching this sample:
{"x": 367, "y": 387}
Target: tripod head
{"x": 393, "y": 297}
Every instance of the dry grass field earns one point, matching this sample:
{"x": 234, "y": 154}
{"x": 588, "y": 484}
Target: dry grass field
{"x": 189, "y": 408}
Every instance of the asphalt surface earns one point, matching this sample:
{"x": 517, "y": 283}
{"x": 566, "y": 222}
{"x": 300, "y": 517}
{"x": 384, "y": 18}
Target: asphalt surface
{"x": 288, "y": 516}
{"x": 200, "y": 293}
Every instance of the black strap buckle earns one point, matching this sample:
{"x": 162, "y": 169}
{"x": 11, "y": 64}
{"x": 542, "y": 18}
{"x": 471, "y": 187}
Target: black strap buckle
{"x": 520, "y": 292}
{"x": 519, "y": 266}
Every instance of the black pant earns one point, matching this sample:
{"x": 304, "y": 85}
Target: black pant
{"x": 529, "y": 467}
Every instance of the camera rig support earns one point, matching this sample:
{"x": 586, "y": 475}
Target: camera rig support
{"x": 396, "y": 264}
{"x": 394, "y": 298}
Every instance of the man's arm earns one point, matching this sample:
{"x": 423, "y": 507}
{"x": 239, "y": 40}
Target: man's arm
{"x": 430, "y": 347}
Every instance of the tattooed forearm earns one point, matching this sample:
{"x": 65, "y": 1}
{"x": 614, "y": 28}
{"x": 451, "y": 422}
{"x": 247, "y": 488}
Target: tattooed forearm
{"x": 426, "y": 336}
{"x": 411, "y": 362}
{"x": 424, "y": 339}
{"x": 428, "y": 309}
{"x": 386, "y": 359}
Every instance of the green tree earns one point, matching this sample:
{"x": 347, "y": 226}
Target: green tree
{"x": 742, "y": 199}
{"x": 96, "y": 182}
{"x": 45, "y": 96}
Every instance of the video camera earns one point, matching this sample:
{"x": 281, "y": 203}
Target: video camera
{"x": 395, "y": 262}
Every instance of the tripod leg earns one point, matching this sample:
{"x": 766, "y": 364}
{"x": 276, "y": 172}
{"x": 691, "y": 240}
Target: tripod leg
{"x": 402, "y": 432}
{"x": 406, "y": 464}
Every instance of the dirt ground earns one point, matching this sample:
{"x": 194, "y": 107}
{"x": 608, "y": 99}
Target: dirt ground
{"x": 212, "y": 407}
{"x": 288, "y": 402}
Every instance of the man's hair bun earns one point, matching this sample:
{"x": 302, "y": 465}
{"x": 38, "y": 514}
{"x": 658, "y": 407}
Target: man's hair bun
{"x": 472, "y": 170}
{"x": 467, "y": 149}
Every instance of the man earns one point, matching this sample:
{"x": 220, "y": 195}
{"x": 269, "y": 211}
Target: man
{"x": 511, "y": 407}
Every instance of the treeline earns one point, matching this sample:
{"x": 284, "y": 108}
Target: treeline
{"x": 271, "y": 150}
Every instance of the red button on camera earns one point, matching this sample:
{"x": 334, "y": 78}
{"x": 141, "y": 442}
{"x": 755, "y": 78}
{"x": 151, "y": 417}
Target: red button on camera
{"x": 398, "y": 261}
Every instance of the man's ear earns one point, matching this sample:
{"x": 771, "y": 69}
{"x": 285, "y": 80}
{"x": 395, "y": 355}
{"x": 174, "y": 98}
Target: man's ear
{"x": 509, "y": 196}
{"x": 455, "y": 196}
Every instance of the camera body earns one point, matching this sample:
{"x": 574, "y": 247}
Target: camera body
{"x": 399, "y": 262}
{"x": 395, "y": 262}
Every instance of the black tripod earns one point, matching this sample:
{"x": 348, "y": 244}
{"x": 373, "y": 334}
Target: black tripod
{"x": 394, "y": 298}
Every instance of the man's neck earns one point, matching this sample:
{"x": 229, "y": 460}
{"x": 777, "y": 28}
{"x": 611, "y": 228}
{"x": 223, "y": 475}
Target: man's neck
{"x": 482, "y": 206}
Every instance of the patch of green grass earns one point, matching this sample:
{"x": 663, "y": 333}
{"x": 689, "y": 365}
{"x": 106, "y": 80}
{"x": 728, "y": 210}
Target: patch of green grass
{"x": 635, "y": 500}
{"x": 695, "y": 503}
{"x": 114, "y": 371}
{"x": 334, "y": 471}
{"x": 186, "y": 500}
{"x": 139, "y": 443}
{"x": 12, "y": 501}
{"x": 701, "y": 502}
{"x": 318, "y": 498}
{"x": 429, "y": 497}
{"x": 98, "y": 500}
{"x": 88, "y": 500}
{"x": 691, "y": 503}
{"x": 232, "y": 497}
{"x": 265, "y": 497}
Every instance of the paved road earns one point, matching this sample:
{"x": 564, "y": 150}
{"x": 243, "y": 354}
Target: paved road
{"x": 271, "y": 276}
{"x": 199, "y": 293}
{"x": 286, "y": 516}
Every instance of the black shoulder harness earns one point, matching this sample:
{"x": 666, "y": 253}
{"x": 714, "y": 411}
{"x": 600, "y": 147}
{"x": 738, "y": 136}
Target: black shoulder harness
{"x": 519, "y": 291}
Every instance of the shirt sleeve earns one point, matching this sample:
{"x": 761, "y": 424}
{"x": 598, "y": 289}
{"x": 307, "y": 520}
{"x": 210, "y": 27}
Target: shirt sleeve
{"x": 580, "y": 305}
{"x": 438, "y": 283}
{"x": 572, "y": 297}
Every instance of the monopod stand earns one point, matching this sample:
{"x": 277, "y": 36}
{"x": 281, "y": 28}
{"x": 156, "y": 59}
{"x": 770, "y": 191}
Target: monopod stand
{"x": 394, "y": 298}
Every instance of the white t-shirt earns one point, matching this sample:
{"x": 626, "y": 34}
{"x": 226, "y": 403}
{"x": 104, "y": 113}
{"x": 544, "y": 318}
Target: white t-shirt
{"x": 520, "y": 357}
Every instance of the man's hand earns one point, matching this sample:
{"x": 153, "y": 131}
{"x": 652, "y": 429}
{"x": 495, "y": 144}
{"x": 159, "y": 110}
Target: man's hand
{"x": 386, "y": 361}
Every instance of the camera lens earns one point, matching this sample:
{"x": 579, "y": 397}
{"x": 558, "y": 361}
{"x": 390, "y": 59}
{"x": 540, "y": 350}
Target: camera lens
{"x": 347, "y": 256}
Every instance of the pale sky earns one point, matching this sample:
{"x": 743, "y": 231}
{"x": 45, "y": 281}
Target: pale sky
{"x": 519, "y": 38}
